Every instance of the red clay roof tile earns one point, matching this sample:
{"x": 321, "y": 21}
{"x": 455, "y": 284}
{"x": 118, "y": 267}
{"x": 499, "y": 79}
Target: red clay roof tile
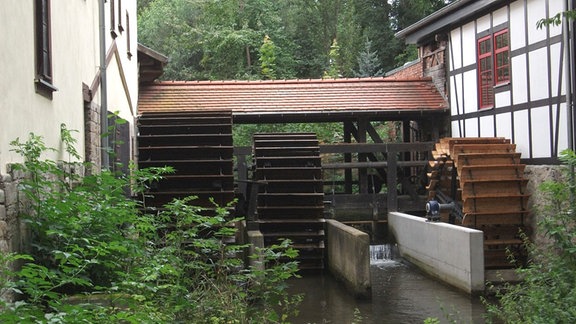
{"x": 310, "y": 97}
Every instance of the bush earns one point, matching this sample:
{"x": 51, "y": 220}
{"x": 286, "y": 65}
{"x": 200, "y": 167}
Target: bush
{"x": 547, "y": 293}
{"x": 96, "y": 258}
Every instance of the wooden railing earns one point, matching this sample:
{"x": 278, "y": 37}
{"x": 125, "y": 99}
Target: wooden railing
{"x": 398, "y": 162}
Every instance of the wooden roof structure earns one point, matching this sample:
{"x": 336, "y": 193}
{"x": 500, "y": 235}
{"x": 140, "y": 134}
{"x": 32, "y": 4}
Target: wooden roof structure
{"x": 315, "y": 100}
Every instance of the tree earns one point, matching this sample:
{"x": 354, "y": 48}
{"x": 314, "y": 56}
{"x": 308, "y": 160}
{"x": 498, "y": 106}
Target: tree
{"x": 368, "y": 62}
{"x": 221, "y": 39}
{"x": 267, "y": 59}
{"x": 168, "y": 27}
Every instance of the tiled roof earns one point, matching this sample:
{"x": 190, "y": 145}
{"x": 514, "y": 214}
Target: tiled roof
{"x": 322, "y": 97}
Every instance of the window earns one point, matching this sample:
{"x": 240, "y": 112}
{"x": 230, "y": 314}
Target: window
{"x": 44, "y": 77}
{"x": 43, "y": 51}
{"x": 493, "y": 65}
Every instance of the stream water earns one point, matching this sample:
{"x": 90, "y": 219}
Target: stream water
{"x": 400, "y": 294}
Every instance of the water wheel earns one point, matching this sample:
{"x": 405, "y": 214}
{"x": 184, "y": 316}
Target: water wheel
{"x": 290, "y": 199}
{"x": 485, "y": 180}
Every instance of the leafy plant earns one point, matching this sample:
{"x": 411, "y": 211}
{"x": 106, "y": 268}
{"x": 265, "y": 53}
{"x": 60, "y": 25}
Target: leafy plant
{"x": 95, "y": 257}
{"x": 547, "y": 293}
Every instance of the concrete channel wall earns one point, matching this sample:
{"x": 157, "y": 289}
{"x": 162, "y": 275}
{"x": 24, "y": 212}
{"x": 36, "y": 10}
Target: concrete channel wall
{"x": 348, "y": 257}
{"x": 451, "y": 253}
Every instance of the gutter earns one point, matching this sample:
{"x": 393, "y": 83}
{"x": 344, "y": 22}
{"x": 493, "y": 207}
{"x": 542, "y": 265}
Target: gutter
{"x": 432, "y": 17}
{"x": 456, "y": 12}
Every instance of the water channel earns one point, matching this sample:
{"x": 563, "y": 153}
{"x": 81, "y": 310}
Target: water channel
{"x": 400, "y": 294}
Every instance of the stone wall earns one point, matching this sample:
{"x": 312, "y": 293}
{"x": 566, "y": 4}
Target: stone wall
{"x": 92, "y": 131}
{"x": 537, "y": 174}
{"x": 13, "y": 236}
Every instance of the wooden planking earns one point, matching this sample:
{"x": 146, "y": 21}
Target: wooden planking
{"x": 505, "y": 204}
{"x": 475, "y": 220}
{"x": 491, "y": 188}
{"x": 290, "y": 196}
{"x": 486, "y": 158}
{"x": 491, "y": 172}
{"x": 498, "y": 187}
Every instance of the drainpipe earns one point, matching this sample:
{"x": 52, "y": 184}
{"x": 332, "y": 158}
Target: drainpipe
{"x": 568, "y": 31}
{"x": 103, "y": 88}
{"x": 569, "y": 55}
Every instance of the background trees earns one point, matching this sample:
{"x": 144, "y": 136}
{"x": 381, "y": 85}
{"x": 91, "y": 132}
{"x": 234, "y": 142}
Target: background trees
{"x": 209, "y": 40}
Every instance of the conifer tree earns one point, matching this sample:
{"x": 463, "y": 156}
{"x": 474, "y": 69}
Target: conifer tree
{"x": 368, "y": 62}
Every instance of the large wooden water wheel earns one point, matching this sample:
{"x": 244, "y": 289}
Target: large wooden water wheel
{"x": 290, "y": 199}
{"x": 485, "y": 180}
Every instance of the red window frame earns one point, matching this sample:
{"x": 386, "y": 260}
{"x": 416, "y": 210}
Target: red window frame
{"x": 501, "y": 57}
{"x": 493, "y": 65}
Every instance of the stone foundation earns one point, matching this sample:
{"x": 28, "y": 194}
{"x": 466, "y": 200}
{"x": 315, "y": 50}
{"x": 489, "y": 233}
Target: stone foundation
{"x": 13, "y": 236}
{"x": 537, "y": 174}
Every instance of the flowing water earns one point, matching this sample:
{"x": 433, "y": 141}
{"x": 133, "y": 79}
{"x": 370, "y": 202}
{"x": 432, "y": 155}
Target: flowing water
{"x": 400, "y": 294}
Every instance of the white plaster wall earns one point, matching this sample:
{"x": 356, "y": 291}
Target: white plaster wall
{"x": 519, "y": 75}
{"x": 456, "y": 95}
{"x": 456, "y": 129}
{"x": 563, "y": 129}
{"x": 25, "y": 111}
{"x": 557, "y": 70}
{"x": 455, "y": 59}
{"x": 471, "y": 127}
{"x": 500, "y": 16}
{"x": 469, "y": 44}
{"x": 502, "y": 99}
{"x": 555, "y": 7}
{"x": 451, "y": 253}
{"x": 536, "y": 11}
{"x": 541, "y": 132}
{"x": 516, "y": 29}
{"x": 482, "y": 24}
{"x": 504, "y": 125}
{"x": 538, "y": 74}
{"x": 487, "y": 126}
{"x": 470, "y": 86}
{"x": 75, "y": 60}
{"x": 521, "y": 132}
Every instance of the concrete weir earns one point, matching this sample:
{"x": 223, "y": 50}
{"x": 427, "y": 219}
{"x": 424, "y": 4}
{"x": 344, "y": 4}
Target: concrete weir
{"x": 451, "y": 253}
{"x": 349, "y": 257}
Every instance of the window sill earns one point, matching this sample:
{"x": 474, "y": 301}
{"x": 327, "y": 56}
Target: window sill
{"x": 486, "y": 108}
{"x": 502, "y": 84}
{"x": 44, "y": 88}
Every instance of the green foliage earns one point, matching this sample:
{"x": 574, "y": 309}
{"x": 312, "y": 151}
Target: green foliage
{"x": 368, "y": 62}
{"x": 268, "y": 59}
{"x": 96, "y": 258}
{"x": 333, "y": 71}
{"x": 547, "y": 293}
{"x": 556, "y": 20}
{"x": 326, "y": 132}
{"x": 210, "y": 40}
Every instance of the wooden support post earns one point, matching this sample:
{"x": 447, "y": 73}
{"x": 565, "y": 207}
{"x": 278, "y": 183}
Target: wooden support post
{"x": 348, "y": 157}
{"x": 392, "y": 181}
{"x": 242, "y": 174}
{"x": 362, "y": 173}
